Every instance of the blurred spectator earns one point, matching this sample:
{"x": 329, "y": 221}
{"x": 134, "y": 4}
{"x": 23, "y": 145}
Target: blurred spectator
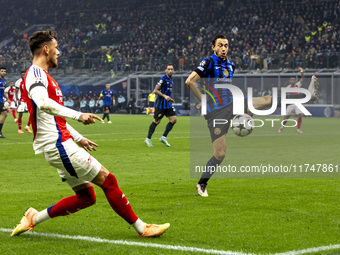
{"x": 130, "y": 108}
{"x": 121, "y": 102}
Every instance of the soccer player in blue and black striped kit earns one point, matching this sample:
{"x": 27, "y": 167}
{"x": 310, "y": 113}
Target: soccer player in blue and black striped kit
{"x": 217, "y": 69}
{"x": 3, "y": 112}
{"x": 163, "y": 106}
{"x": 108, "y": 96}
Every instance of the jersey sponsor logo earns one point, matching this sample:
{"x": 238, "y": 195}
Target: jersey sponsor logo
{"x": 228, "y": 80}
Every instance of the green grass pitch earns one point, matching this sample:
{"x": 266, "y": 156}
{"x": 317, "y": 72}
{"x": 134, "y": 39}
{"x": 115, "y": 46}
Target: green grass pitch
{"x": 248, "y": 215}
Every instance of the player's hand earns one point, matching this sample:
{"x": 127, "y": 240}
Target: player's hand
{"x": 87, "y": 144}
{"x": 169, "y": 99}
{"x": 198, "y": 106}
{"x": 88, "y": 118}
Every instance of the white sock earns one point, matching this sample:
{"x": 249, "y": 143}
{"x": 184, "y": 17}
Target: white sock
{"x": 139, "y": 226}
{"x": 41, "y": 217}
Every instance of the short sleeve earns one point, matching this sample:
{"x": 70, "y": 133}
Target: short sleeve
{"x": 17, "y": 84}
{"x": 35, "y": 75}
{"x": 203, "y": 67}
{"x": 160, "y": 82}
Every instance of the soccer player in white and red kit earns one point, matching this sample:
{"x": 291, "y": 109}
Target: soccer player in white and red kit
{"x": 58, "y": 142}
{"x": 292, "y": 109}
{"x": 21, "y": 102}
{"x": 10, "y": 92}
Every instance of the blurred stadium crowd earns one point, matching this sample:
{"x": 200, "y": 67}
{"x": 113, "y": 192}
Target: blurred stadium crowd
{"x": 135, "y": 35}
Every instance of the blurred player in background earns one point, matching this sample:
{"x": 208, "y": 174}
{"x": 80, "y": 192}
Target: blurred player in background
{"x": 151, "y": 103}
{"x": 292, "y": 109}
{"x": 107, "y": 95}
{"x": 163, "y": 105}
{"x": 21, "y": 102}
{"x": 58, "y": 142}
{"x": 3, "y": 97}
{"x": 11, "y": 106}
{"x": 217, "y": 69}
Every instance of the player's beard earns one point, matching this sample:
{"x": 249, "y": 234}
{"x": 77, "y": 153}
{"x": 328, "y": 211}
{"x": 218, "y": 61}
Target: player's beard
{"x": 53, "y": 62}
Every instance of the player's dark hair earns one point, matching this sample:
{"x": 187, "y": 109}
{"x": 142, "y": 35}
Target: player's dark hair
{"x": 1, "y": 68}
{"x": 169, "y": 65}
{"x": 218, "y": 37}
{"x": 40, "y": 37}
{"x": 23, "y": 71}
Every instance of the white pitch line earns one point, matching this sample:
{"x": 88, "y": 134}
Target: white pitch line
{"x": 311, "y": 250}
{"x": 130, "y": 243}
{"x": 173, "y": 247}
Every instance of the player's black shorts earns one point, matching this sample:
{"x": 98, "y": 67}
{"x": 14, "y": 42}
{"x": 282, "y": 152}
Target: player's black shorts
{"x": 151, "y": 104}
{"x": 2, "y": 107}
{"x": 225, "y": 113}
{"x": 160, "y": 113}
{"x": 107, "y": 107}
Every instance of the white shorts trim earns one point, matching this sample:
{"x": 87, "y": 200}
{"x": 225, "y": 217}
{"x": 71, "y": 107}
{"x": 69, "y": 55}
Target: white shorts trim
{"x": 74, "y": 164}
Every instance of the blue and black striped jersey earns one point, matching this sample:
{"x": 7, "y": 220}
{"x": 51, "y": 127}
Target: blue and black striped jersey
{"x": 107, "y": 96}
{"x": 2, "y": 89}
{"x": 214, "y": 71}
{"x": 166, "y": 87}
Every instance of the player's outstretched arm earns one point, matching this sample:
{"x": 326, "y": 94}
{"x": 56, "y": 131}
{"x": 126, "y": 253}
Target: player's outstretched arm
{"x": 40, "y": 97}
{"x": 302, "y": 74}
{"x": 191, "y": 83}
{"x": 88, "y": 118}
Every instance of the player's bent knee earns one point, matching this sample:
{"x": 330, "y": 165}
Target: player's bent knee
{"x": 86, "y": 197}
{"x": 101, "y": 176}
{"x": 219, "y": 155}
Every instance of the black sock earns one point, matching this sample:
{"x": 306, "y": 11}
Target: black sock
{"x": 152, "y": 129}
{"x": 209, "y": 170}
{"x": 104, "y": 116}
{"x": 108, "y": 116}
{"x": 168, "y": 129}
{"x": 1, "y": 127}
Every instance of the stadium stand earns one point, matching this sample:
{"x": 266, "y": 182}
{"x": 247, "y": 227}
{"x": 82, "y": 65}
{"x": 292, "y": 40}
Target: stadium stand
{"x": 130, "y": 36}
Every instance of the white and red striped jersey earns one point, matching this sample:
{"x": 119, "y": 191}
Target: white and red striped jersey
{"x": 49, "y": 130}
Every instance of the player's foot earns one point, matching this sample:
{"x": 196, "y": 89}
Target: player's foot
{"x": 153, "y": 230}
{"x": 314, "y": 88}
{"x": 109, "y": 122}
{"x": 26, "y": 223}
{"x": 280, "y": 129}
{"x": 202, "y": 189}
{"x": 15, "y": 120}
{"x": 164, "y": 140}
{"x": 103, "y": 122}
{"x": 20, "y": 131}
{"x": 27, "y": 128}
{"x": 2, "y": 136}
{"x": 148, "y": 142}
{"x": 299, "y": 131}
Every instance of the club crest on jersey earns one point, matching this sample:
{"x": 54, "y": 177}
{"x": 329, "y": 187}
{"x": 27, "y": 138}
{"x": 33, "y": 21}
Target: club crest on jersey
{"x": 226, "y": 72}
